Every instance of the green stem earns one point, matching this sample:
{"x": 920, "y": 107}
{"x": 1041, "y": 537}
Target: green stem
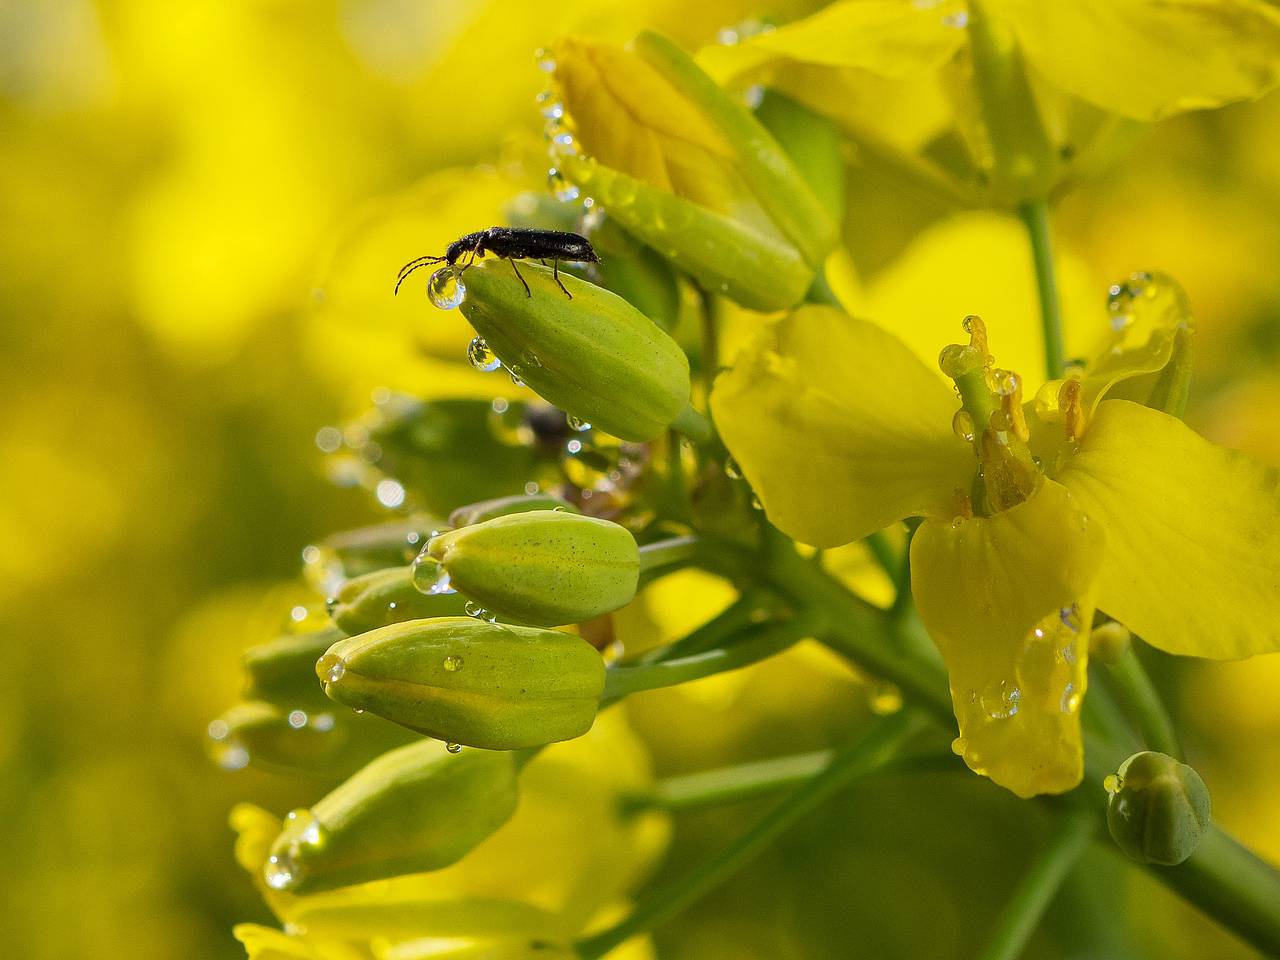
{"x": 665, "y": 554}
{"x": 772, "y": 639}
{"x": 1035, "y": 217}
{"x": 746, "y": 781}
{"x": 867, "y": 753}
{"x": 731, "y": 620}
{"x": 1142, "y": 702}
{"x": 710, "y": 340}
{"x": 1036, "y": 890}
{"x": 693, "y": 425}
{"x": 1232, "y": 885}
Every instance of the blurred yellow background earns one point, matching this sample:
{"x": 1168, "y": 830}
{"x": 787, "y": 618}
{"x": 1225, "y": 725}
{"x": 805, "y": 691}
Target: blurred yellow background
{"x": 174, "y": 179}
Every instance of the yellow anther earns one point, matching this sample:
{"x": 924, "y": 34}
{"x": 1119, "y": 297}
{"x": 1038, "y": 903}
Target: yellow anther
{"x": 1011, "y": 407}
{"x": 1072, "y": 409}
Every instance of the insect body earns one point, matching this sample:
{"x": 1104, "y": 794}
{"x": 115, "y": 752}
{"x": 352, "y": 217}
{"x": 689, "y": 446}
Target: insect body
{"x": 511, "y": 243}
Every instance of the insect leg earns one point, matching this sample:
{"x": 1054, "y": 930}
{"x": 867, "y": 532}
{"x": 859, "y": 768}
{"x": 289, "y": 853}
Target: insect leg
{"x": 555, "y": 273}
{"x": 527, "y": 292}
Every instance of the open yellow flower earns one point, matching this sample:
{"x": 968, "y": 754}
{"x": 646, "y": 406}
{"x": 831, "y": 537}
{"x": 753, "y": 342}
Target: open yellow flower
{"x": 1078, "y": 500}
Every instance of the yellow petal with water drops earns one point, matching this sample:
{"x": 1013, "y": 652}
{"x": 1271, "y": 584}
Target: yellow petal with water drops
{"x": 839, "y": 428}
{"x": 1147, "y": 59}
{"x": 890, "y": 38}
{"x": 1193, "y": 533}
{"x": 1006, "y": 598}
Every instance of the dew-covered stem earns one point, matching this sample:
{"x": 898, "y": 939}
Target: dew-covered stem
{"x": 869, "y": 752}
{"x": 1035, "y": 217}
{"x": 1039, "y": 885}
{"x": 1140, "y": 699}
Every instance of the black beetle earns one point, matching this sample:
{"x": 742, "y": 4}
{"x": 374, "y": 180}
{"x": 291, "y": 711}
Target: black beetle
{"x": 512, "y": 243}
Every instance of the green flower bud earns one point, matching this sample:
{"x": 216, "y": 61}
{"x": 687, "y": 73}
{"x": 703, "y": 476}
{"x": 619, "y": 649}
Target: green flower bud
{"x": 414, "y": 809}
{"x": 311, "y": 741}
{"x": 1109, "y": 642}
{"x": 470, "y": 682}
{"x": 350, "y": 553}
{"x": 594, "y": 356}
{"x": 1158, "y": 809}
{"x": 388, "y": 596}
{"x": 284, "y": 670}
{"x": 501, "y": 507}
{"x": 544, "y": 567}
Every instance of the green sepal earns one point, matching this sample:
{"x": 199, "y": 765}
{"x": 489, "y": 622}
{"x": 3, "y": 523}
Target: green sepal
{"x": 592, "y": 355}
{"x": 470, "y": 682}
{"x": 1159, "y": 810}
{"x": 544, "y": 568}
{"x": 414, "y": 809}
{"x": 389, "y": 596}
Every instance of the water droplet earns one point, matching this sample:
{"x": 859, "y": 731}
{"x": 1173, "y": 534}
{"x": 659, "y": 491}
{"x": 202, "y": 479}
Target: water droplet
{"x": 473, "y": 609}
{"x": 232, "y": 756}
{"x": 1070, "y": 701}
{"x": 553, "y": 111}
{"x": 330, "y": 605}
{"x": 280, "y": 871}
{"x": 1000, "y": 700}
{"x": 1112, "y": 783}
{"x": 453, "y": 747}
{"x": 531, "y": 487}
{"x": 575, "y": 424}
{"x": 614, "y": 652}
{"x": 962, "y": 425}
{"x": 298, "y": 719}
{"x": 218, "y": 730}
{"x": 959, "y": 745}
{"x": 323, "y": 722}
{"x": 390, "y": 493}
{"x": 445, "y": 289}
{"x": 1070, "y": 617}
{"x": 481, "y": 356}
{"x": 331, "y": 667}
{"x": 515, "y": 373}
{"x": 500, "y": 405}
{"x": 561, "y": 187}
{"x": 732, "y": 470}
{"x": 358, "y": 711}
{"x": 1007, "y": 382}
{"x": 430, "y": 576}
{"x": 756, "y": 504}
{"x": 885, "y": 699}
{"x": 391, "y": 605}
{"x": 452, "y": 663}
{"x": 573, "y": 446}
{"x": 546, "y": 63}
{"x": 328, "y": 439}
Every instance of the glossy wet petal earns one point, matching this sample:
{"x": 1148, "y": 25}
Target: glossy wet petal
{"x": 1147, "y": 59}
{"x": 1006, "y": 599}
{"x": 839, "y": 428}
{"x": 1193, "y": 533}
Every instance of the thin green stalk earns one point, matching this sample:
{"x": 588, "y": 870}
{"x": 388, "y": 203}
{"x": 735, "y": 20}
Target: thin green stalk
{"x": 1035, "y": 217}
{"x": 869, "y": 752}
{"x": 710, "y": 340}
{"x": 772, "y": 639}
{"x": 731, "y": 620}
{"x": 1140, "y": 699}
{"x": 667, "y": 554}
{"x": 887, "y": 557}
{"x": 1232, "y": 885}
{"x": 676, "y": 502}
{"x": 1022, "y": 914}
{"x": 693, "y": 425}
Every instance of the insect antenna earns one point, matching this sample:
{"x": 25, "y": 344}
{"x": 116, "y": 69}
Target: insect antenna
{"x": 413, "y": 265}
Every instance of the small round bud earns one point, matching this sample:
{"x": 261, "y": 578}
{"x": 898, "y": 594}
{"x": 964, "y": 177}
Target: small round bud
{"x": 545, "y": 567}
{"x": 1109, "y": 642}
{"x": 466, "y": 681}
{"x": 1158, "y": 809}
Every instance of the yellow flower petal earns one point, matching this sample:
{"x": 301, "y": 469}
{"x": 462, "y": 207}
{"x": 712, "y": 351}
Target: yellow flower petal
{"x": 839, "y": 428}
{"x": 1147, "y": 59}
{"x": 1006, "y": 599}
{"x": 1193, "y": 533}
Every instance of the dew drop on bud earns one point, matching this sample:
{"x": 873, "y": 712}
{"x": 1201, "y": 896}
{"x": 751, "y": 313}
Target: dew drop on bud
{"x": 1000, "y": 700}
{"x": 514, "y": 372}
{"x": 430, "y": 576}
{"x": 959, "y": 745}
{"x": 575, "y": 424}
{"x": 453, "y": 747}
{"x": 452, "y": 663}
{"x": 732, "y": 470}
{"x": 331, "y": 668}
{"x": 1112, "y": 783}
{"x": 1070, "y": 617}
{"x": 330, "y": 605}
{"x": 1007, "y": 382}
{"x": 962, "y": 425}
{"x": 481, "y": 356}
{"x": 280, "y": 872}
{"x": 473, "y": 609}
{"x": 445, "y": 289}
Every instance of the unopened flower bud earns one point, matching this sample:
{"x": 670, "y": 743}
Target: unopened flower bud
{"x": 470, "y": 682}
{"x": 389, "y": 596}
{"x": 544, "y": 567}
{"x": 349, "y": 553}
{"x": 284, "y": 670}
{"x": 1109, "y": 642}
{"x": 502, "y": 506}
{"x": 1158, "y": 810}
{"x": 414, "y": 809}
{"x": 593, "y": 355}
